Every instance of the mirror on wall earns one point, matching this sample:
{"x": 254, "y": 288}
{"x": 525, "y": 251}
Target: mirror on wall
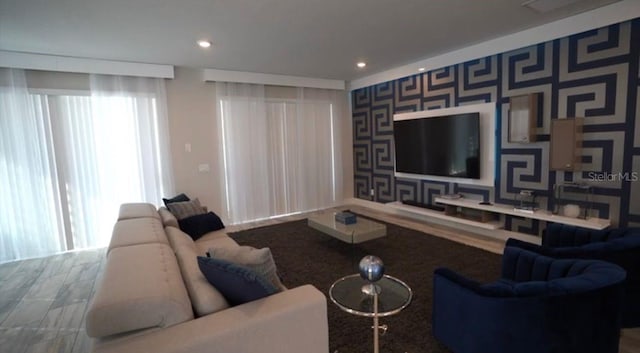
{"x": 523, "y": 113}
{"x": 565, "y": 151}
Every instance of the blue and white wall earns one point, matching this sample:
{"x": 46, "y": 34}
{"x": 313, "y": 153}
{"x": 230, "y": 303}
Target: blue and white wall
{"x": 594, "y": 74}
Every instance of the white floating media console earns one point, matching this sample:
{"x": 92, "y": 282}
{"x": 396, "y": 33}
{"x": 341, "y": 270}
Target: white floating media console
{"x": 488, "y": 221}
{"x": 542, "y": 215}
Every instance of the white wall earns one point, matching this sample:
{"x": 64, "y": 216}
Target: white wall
{"x": 191, "y": 106}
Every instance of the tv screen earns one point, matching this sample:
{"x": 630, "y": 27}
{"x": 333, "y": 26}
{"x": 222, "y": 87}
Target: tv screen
{"x": 442, "y": 146}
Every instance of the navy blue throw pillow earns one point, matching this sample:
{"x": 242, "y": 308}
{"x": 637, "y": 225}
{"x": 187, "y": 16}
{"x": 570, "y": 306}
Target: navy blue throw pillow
{"x": 238, "y": 284}
{"x": 199, "y": 225}
{"x": 178, "y": 198}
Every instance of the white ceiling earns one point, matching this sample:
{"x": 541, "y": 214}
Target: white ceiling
{"x": 313, "y": 38}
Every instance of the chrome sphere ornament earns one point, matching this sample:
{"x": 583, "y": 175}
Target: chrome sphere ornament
{"x": 371, "y": 268}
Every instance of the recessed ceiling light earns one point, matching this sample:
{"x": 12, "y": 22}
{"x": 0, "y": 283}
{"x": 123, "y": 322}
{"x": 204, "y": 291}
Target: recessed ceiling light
{"x": 361, "y": 64}
{"x": 204, "y": 43}
{"x": 421, "y": 69}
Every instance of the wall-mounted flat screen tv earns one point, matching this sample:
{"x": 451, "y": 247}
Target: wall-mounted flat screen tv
{"x": 446, "y": 146}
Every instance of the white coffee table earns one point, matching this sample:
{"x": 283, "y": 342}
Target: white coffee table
{"x": 361, "y": 231}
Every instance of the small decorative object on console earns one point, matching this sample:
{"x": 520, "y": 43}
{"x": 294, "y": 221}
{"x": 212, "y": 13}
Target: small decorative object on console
{"x": 346, "y": 217}
{"x": 527, "y": 199}
{"x": 572, "y": 200}
{"x": 571, "y": 210}
{"x": 372, "y": 269}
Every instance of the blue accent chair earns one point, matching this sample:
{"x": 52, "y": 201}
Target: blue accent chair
{"x": 619, "y": 246}
{"x": 539, "y": 305}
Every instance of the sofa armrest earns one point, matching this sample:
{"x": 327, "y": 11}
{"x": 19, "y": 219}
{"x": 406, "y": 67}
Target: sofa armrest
{"x": 517, "y": 243}
{"x": 456, "y": 278}
{"x": 294, "y": 320}
{"x": 487, "y": 321}
{"x": 559, "y": 235}
{"x": 463, "y": 283}
{"x": 555, "y": 323}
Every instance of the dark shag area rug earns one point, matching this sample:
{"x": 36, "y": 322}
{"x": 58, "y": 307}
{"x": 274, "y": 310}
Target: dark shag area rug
{"x": 306, "y": 256}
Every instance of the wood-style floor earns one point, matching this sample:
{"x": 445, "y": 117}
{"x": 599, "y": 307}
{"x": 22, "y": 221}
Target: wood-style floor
{"x": 43, "y": 301}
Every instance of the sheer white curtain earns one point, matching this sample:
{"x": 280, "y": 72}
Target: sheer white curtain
{"x": 30, "y": 222}
{"x": 115, "y": 151}
{"x": 318, "y": 160}
{"x": 243, "y": 124}
{"x": 67, "y": 162}
{"x": 280, "y": 156}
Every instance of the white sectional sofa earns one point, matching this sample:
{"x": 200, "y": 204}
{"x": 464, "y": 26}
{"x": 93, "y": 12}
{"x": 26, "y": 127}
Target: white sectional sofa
{"x": 153, "y": 298}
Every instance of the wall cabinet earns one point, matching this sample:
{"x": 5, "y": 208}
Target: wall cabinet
{"x": 523, "y": 114}
{"x": 566, "y": 144}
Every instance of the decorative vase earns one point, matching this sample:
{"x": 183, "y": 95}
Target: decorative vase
{"x": 571, "y": 210}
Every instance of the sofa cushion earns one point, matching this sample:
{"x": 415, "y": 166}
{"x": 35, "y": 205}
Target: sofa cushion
{"x": 186, "y": 209}
{"x": 198, "y": 225}
{"x": 205, "y": 298}
{"x": 137, "y": 210}
{"x": 141, "y": 288}
{"x": 137, "y": 231}
{"x": 178, "y": 238}
{"x": 217, "y": 239}
{"x": 238, "y": 284}
{"x": 177, "y": 198}
{"x": 212, "y": 235}
{"x": 506, "y": 288}
{"x": 259, "y": 260}
{"x": 167, "y": 218}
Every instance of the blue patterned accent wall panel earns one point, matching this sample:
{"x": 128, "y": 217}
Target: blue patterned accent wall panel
{"x": 595, "y": 75}
{"x": 362, "y": 134}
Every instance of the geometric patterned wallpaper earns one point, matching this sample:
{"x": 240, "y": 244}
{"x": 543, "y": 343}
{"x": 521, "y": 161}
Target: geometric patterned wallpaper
{"x": 594, "y": 75}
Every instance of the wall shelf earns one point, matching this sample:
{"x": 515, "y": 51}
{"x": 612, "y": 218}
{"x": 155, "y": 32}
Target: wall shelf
{"x": 542, "y": 215}
{"x": 441, "y": 215}
{"x": 494, "y": 229}
{"x": 491, "y": 228}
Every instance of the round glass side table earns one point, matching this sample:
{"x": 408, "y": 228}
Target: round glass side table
{"x": 394, "y": 295}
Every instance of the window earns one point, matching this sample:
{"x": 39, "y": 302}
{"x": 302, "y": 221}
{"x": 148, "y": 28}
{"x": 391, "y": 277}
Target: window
{"x": 92, "y": 153}
{"x": 279, "y": 155}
